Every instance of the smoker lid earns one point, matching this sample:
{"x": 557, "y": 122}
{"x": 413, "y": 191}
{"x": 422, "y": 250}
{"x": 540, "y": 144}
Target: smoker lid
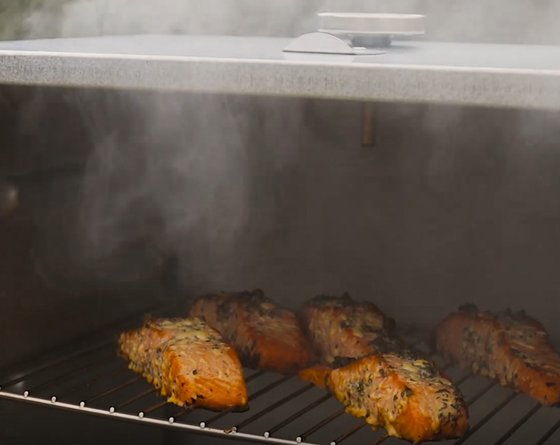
{"x": 448, "y": 73}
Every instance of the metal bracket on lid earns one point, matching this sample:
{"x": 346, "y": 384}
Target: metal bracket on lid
{"x": 357, "y": 33}
{"x": 324, "y": 43}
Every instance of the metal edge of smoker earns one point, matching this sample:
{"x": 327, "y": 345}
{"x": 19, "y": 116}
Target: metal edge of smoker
{"x": 273, "y": 73}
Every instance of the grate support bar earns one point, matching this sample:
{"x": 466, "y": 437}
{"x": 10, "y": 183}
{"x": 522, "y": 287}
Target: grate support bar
{"x": 133, "y": 399}
{"x": 349, "y": 433}
{"x": 518, "y": 424}
{"x": 298, "y": 414}
{"x": 109, "y": 379}
{"x": 548, "y": 434}
{"x": 72, "y": 373}
{"x": 183, "y": 412}
{"x": 145, "y": 420}
{"x": 381, "y": 440}
{"x": 153, "y": 408}
{"x": 462, "y": 379}
{"x": 486, "y": 418}
{"x": 302, "y": 437}
{"x": 272, "y": 407}
{"x": 115, "y": 389}
{"x": 92, "y": 382}
{"x": 70, "y": 358}
{"x": 480, "y": 393}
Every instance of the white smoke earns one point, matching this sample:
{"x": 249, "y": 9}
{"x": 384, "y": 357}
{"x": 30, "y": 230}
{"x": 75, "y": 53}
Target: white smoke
{"x": 416, "y": 221}
{"x": 117, "y": 17}
{"x": 500, "y": 21}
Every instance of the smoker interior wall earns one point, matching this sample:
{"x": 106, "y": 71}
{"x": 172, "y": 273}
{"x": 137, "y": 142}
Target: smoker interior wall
{"x": 452, "y": 205}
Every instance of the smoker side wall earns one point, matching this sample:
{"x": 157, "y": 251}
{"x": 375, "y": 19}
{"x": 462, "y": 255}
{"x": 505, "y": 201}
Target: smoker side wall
{"x": 45, "y": 299}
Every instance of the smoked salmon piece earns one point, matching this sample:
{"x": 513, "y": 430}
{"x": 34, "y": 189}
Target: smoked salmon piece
{"x": 407, "y": 397}
{"x": 266, "y": 336}
{"x": 513, "y": 348}
{"x": 341, "y": 328}
{"x": 188, "y": 362}
{"x": 377, "y": 376}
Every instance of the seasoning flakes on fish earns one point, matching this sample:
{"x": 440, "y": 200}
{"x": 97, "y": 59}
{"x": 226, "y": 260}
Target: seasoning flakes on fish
{"x": 341, "y": 328}
{"x": 376, "y": 375}
{"x": 513, "y": 348}
{"x": 266, "y": 336}
{"x": 409, "y": 398}
{"x": 187, "y": 361}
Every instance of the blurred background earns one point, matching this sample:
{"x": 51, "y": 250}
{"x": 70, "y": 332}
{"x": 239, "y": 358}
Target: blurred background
{"x": 499, "y": 21}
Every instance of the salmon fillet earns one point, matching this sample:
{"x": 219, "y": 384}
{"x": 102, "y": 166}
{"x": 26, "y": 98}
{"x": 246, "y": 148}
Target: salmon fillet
{"x": 513, "y": 348}
{"x": 187, "y": 361}
{"x": 377, "y": 377}
{"x": 340, "y": 328}
{"x": 407, "y": 397}
{"x": 266, "y": 337}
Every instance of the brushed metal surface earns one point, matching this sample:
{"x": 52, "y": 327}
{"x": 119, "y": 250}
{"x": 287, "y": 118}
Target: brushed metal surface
{"x": 468, "y": 74}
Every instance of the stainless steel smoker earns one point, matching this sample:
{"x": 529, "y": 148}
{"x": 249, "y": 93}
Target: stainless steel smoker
{"x": 138, "y": 172}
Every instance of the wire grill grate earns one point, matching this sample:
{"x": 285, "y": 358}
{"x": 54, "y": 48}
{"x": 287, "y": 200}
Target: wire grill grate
{"x": 283, "y": 409}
